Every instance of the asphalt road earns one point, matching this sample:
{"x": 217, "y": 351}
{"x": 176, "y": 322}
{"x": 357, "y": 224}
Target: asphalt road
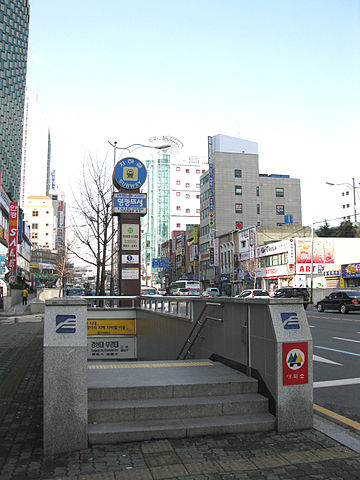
{"x": 336, "y": 340}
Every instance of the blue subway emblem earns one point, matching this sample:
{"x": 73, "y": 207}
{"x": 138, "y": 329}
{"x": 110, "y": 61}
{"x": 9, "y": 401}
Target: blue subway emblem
{"x": 290, "y": 321}
{"x": 65, "y": 323}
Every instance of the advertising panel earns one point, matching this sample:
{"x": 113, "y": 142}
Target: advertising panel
{"x": 323, "y": 250}
{"x": 350, "y": 270}
{"x": 13, "y": 237}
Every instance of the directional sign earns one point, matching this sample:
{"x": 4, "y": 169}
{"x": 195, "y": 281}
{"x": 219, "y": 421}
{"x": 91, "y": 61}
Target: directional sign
{"x": 129, "y": 203}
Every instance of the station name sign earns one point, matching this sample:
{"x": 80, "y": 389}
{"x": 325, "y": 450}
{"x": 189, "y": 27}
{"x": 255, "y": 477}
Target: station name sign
{"x": 130, "y": 203}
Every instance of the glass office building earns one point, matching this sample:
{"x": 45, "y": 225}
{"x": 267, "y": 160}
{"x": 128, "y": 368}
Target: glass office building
{"x": 14, "y": 32}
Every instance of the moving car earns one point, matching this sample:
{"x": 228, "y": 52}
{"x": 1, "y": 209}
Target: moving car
{"x": 343, "y": 301}
{"x": 293, "y": 292}
{"x": 148, "y": 291}
{"x": 74, "y": 292}
{"x": 162, "y": 291}
{"x": 256, "y": 293}
{"x": 211, "y": 292}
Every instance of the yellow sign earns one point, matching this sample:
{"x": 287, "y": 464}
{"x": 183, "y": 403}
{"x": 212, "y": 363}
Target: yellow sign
{"x": 111, "y": 327}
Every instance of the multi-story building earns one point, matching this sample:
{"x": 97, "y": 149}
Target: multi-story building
{"x": 173, "y": 189}
{"x": 14, "y": 32}
{"x": 347, "y": 200}
{"x": 39, "y": 214}
{"x": 235, "y": 195}
{"x": 35, "y": 167}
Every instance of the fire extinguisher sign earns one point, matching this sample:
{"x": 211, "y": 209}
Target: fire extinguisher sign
{"x": 295, "y": 363}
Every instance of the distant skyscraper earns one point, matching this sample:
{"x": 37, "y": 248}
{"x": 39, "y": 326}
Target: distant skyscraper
{"x": 14, "y": 32}
{"x": 36, "y": 153}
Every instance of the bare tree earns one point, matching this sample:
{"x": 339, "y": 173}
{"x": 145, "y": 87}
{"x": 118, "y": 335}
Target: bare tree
{"x": 91, "y": 220}
{"x": 63, "y": 267}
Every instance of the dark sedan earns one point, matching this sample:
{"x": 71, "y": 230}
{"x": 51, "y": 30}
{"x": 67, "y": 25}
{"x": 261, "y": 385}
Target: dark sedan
{"x": 342, "y": 301}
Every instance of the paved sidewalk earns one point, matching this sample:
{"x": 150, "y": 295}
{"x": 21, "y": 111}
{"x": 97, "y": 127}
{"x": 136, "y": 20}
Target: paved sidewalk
{"x": 302, "y": 455}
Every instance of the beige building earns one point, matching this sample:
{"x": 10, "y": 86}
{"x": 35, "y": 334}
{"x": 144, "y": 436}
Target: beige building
{"x": 39, "y": 214}
{"x": 234, "y": 195}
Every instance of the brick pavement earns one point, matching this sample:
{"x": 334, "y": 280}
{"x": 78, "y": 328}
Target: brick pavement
{"x": 300, "y": 455}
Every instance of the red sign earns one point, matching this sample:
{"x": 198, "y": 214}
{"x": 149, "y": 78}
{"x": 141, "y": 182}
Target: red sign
{"x": 13, "y": 233}
{"x": 295, "y": 363}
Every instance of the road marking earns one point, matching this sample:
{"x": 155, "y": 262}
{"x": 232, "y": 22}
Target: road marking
{"x": 336, "y": 416}
{"x": 312, "y": 326}
{"x": 336, "y": 383}
{"x": 339, "y": 351}
{"x": 325, "y": 360}
{"x": 346, "y": 339}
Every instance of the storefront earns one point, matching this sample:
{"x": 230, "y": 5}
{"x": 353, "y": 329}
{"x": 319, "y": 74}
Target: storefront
{"x": 350, "y": 275}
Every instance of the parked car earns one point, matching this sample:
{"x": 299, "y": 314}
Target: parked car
{"x": 255, "y": 293}
{"x": 74, "y": 292}
{"x": 343, "y": 301}
{"x": 211, "y": 292}
{"x": 162, "y": 291}
{"x": 293, "y": 292}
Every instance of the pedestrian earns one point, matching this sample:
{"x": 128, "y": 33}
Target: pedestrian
{"x": 24, "y": 295}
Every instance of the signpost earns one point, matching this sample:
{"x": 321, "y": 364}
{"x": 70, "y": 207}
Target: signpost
{"x": 129, "y": 205}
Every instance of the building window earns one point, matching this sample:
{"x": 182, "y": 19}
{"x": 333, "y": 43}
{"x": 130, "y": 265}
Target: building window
{"x": 46, "y": 234}
{"x": 203, "y": 171}
{"x": 279, "y": 192}
{"x": 198, "y": 210}
{"x": 198, "y": 185}
{"x": 238, "y": 173}
{"x": 177, "y": 182}
{"x": 188, "y": 210}
{"x": 197, "y": 171}
{"x": 197, "y": 196}
{"x": 178, "y": 169}
{"x": 187, "y": 195}
{"x": 187, "y": 170}
{"x": 187, "y": 185}
{"x": 178, "y": 194}
{"x": 178, "y": 207}
{"x": 258, "y": 208}
{"x": 34, "y": 226}
{"x": 35, "y": 213}
{"x": 178, "y": 225}
{"x": 258, "y": 191}
{"x": 238, "y": 190}
{"x": 34, "y": 235}
{"x": 47, "y": 212}
{"x": 280, "y": 210}
{"x": 238, "y": 208}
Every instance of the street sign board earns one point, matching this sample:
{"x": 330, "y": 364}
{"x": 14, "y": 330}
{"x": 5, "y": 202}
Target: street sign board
{"x": 129, "y": 173}
{"x": 130, "y": 203}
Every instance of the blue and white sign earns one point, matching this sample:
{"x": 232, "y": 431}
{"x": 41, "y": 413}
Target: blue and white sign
{"x": 130, "y": 259}
{"x": 290, "y": 321}
{"x": 130, "y": 203}
{"x": 129, "y": 173}
{"x": 65, "y": 323}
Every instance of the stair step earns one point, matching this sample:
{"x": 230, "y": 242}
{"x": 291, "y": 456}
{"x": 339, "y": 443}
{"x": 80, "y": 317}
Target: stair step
{"x": 116, "y": 411}
{"x": 173, "y": 391}
{"x": 127, "y": 431}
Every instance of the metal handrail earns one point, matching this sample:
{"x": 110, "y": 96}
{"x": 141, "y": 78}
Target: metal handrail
{"x": 199, "y": 324}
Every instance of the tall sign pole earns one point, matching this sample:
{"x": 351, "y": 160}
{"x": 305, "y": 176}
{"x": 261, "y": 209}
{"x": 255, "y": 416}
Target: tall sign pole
{"x": 129, "y": 205}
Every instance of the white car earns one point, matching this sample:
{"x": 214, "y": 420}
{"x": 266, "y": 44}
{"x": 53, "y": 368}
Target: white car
{"x": 256, "y": 293}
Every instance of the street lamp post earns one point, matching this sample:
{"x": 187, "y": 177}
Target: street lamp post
{"x": 127, "y": 219}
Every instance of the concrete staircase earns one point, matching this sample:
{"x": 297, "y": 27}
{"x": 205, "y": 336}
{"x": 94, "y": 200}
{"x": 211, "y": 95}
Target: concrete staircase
{"x": 175, "y": 399}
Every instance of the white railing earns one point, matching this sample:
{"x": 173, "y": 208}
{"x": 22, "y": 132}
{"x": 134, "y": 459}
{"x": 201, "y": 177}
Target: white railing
{"x": 173, "y": 305}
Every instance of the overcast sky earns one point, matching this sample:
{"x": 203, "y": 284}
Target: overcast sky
{"x": 282, "y": 73}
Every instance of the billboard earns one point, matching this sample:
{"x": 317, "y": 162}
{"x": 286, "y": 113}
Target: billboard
{"x": 323, "y": 250}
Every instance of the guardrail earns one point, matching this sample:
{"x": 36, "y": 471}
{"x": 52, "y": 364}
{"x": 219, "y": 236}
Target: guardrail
{"x": 173, "y": 305}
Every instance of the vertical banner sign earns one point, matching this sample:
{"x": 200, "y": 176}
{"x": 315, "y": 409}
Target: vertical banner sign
{"x": 295, "y": 363}
{"x": 13, "y": 234}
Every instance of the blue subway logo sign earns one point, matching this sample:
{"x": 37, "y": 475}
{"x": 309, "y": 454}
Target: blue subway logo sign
{"x": 65, "y": 323}
{"x": 290, "y": 321}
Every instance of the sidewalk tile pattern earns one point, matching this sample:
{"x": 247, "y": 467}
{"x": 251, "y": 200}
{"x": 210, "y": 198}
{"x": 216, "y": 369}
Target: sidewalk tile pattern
{"x": 277, "y": 456}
